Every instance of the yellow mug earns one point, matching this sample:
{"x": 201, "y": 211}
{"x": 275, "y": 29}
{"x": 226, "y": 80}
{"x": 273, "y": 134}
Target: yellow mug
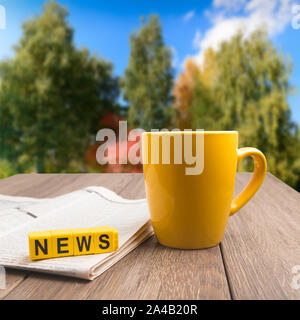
{"x": 190, "y": 211}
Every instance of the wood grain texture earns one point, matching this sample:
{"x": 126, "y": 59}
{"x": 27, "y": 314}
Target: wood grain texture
{"x": 259, "y": 249}
{"x": 50, "y": 185}
{"x": 262, "y": 242}
{"x": 149, "y": 272}
{"x": 13, "y": 279}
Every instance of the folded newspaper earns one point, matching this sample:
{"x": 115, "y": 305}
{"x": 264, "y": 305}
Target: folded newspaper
{"x": 88, "y": 207}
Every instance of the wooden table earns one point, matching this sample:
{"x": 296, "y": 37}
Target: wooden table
{"x": 254, "y": 261}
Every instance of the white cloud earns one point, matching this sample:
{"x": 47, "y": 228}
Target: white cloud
{"x": 189, "y": 15}
{"x": 197, "y": 40}
{"x": 273, "y": 15}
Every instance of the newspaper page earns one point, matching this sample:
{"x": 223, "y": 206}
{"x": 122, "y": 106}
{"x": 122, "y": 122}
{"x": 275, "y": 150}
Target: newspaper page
{"x": 88, "y": 207}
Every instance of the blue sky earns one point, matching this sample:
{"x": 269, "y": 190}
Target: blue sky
{"x": 189, "y": 27}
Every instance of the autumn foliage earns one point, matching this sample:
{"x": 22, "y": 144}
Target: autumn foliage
{"x": 188, "y": 81}
{"x": 183, "y": 93}
{"x": 244, "y": 86}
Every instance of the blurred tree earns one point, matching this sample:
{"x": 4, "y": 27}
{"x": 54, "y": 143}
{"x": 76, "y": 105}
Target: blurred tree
{"x": 193, "y": 93}
{"x": 251, "y": 90}
{"x": 9, "y": 148}
{"x": 244, "y": 86}
{"x": 53, "y": 95}
{"x": 205, "y": 109}
{"x": 184, "y": 93}
{"x": 148, "y": 80}
{"x": 6, "y": 169}
{"x": 209, "y": 68}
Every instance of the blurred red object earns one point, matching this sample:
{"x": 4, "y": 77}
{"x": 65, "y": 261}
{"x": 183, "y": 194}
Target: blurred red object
{"x": 114, "y": 156}
{"x": 111, "y": 121}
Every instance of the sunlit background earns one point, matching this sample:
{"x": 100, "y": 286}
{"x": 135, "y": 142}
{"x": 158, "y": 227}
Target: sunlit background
{"x": 70, "y": 68}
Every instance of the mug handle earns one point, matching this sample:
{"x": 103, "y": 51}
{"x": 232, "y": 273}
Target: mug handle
{"x": 260, "y": 169}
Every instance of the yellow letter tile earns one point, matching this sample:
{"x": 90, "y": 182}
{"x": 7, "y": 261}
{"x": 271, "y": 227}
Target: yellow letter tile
{"x": 40, "y": 246}
{"x": 62, "y": 243}
{"x": 104, "y": 239}
{"x": 83, "y": 241}
{"x": 116, "y": 238}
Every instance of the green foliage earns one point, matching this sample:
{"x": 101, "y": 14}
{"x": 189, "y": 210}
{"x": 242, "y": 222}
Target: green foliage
{"x": 53, "y": 95}
{"x": 249, "y": 94}
{"x": 205, "y": 111}
{"x": 6, "y": 169}
{"x": 148, "y": 80}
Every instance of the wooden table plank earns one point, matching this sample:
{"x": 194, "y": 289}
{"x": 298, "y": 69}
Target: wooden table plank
{"x": 262, "y": 242}
{"x": 50, "y": 185}
{"x": 13, "y": 279}
{"x": 149, "y": 272}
